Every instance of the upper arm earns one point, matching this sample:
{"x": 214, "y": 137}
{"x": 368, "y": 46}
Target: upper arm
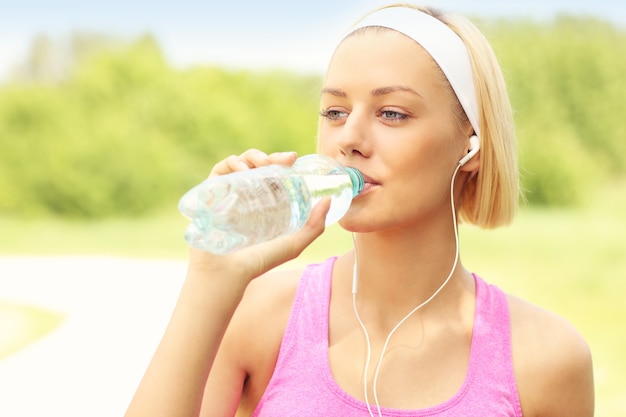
{"x": 248, "y": 351}
{"x": 224, "y": 385}
{"x": 552, "y": 363}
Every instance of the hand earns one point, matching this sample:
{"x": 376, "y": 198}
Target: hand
{"x": 252, "y": 158}
{"x": 214, "y": 287}
{"x": 248, "y": 263}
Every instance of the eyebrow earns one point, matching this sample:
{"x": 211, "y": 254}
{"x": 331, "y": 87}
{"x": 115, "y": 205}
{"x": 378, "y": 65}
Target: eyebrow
{"x": 376, "y": 92}
{"x": 335, "y": 92}
{"x": 393, "y": 89}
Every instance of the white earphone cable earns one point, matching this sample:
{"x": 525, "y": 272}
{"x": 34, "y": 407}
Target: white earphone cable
{"x": 366, "y": 334}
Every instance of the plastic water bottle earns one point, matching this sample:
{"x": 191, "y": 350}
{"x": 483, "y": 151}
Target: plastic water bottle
{"x": 232, "y": 211}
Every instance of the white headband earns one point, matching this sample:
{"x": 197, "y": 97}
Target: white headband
{"x": 443, "y": 45}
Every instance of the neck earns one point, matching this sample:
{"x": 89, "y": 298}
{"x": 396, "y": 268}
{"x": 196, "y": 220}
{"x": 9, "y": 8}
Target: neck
{"x": 399, "y": 269}
{"x": 402, "y": 267}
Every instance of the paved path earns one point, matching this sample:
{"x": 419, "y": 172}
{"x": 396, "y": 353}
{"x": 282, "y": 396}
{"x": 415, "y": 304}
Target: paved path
{"x": 116, "y": 310}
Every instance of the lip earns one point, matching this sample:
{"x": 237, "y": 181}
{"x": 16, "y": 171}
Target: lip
{"x": 367, "y": 187}
{"x": 369, "y": 183}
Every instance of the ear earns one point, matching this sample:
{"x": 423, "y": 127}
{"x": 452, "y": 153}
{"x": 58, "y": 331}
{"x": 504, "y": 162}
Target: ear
{"x": 471, "y": 161}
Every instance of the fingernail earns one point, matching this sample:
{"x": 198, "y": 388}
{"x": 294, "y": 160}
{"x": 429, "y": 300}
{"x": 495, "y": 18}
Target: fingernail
{"x": 243, "y": 165}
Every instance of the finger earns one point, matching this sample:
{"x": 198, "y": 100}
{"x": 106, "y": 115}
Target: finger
{"x": 246, "y": 264}
{"x": 252, "y": 158}
{"x": 263, "y": 257}
{"x": 255, "y": 158}
{"x": 283, "y": 158}
{"x": 231, "y": 164}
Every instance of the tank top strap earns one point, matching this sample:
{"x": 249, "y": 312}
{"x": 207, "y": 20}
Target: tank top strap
{"x": 302, "y": 382}
{"x": 491, "y": 358}
{"x": 294, "y": 386}
{"x": 309, "y": 316}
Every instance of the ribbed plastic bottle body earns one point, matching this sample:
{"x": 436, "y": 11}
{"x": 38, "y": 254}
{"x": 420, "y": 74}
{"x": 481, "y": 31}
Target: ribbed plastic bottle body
{"x": 233, "y": 211}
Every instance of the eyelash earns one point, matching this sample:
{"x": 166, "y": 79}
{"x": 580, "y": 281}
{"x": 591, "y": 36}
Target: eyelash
{"x": 389, "y": 115}
{"x": 397, "y": 116}
{"x": 331, "y": 114}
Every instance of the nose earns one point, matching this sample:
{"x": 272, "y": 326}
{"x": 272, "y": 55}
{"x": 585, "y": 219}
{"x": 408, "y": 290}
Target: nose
{"x": 353, "y": 138}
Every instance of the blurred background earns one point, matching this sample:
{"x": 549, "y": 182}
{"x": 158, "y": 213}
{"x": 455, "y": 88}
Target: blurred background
{"x": 110, "y": 111}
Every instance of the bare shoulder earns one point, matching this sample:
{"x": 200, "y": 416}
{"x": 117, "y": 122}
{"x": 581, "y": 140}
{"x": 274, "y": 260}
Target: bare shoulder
{"x": 248, "y": 351}
{"x": 272, "y": 291}
{"x": 552, "y": 363}
{"x": 265, "y": 308}
{"x": 256, "y": 330}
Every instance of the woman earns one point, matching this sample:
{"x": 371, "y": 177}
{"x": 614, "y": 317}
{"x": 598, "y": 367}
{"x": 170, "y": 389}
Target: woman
{"x": 396, "y": 327}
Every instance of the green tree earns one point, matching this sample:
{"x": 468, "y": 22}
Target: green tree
{"x": 566, "y": 80}
{"x": 119, "y": 132}
{"x": 125, "y": 133}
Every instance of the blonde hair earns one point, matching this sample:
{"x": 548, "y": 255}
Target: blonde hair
{"x": 490, "y": 197}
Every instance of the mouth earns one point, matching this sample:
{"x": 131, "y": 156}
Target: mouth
{"x": 369, "y": 183}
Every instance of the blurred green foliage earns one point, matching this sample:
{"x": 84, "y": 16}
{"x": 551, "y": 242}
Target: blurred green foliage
{"x": 567, "y": 83}
{"x": 124, "y": 133}
{"x": 115, "y": 130}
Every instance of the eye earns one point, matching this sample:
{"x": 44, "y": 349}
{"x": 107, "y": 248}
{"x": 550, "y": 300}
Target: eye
{"x": 393, "y": 115}
{"x": 333, "y": 115}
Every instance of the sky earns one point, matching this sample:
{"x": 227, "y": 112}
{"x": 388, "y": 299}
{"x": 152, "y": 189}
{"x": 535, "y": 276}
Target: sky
{"x": 293, "y": 35}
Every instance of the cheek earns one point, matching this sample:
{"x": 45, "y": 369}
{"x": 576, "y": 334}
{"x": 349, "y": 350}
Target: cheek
{"x": 423, "y": 172}
{"x": 415, "y": 156}
{"x": 325, "y": 140}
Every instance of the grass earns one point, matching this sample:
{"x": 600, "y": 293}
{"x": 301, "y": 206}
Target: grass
{"x": 157, "y": 236}
{"x": 572, "y": 262}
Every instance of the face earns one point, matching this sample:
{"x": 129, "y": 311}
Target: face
{"x": 387, "y": 112}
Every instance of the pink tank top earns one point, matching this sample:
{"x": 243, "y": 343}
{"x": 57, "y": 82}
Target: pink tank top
{"x": 303, "y": 386}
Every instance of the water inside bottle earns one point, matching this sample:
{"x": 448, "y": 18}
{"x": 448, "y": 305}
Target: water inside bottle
{"x": 231, "y": 212}
{"x": 233, "y": 216}
{"x": 337, "y": 186}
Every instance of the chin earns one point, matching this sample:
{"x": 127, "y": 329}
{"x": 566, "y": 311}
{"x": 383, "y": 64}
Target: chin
{"x": 353, "y": 225}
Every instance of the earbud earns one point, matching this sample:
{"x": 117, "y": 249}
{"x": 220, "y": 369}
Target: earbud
{"x": 473, "y": 150}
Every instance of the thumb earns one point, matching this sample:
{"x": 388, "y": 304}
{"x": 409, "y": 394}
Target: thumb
{"x": 268, "y": 255}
